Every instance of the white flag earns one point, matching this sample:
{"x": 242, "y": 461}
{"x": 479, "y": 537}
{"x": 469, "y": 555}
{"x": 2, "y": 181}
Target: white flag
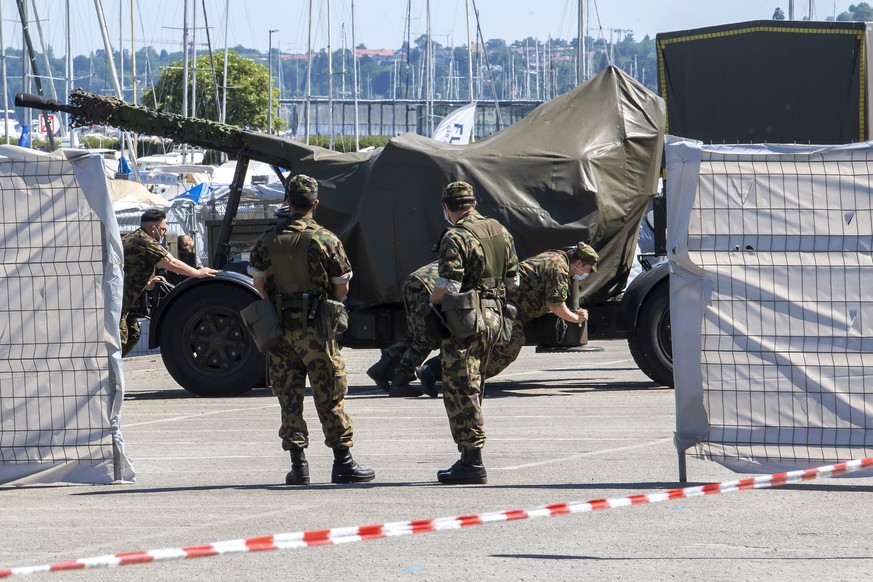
{"x": 457, "y": 126}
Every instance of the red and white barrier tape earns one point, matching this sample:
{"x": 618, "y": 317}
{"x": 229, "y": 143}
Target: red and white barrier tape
{"x": 305, "y": 539}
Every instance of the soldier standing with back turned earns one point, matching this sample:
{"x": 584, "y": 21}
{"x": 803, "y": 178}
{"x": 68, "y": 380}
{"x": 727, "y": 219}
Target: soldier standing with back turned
{"x": 477, "y": 254}
{"x": 297, "y": 265}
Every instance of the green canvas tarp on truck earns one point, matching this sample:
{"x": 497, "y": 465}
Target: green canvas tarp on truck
{"x": 580, "y": 167}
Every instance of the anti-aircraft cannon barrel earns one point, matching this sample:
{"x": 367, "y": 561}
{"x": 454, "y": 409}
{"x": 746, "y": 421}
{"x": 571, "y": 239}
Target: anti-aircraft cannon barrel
{"x": 87, "y": 109}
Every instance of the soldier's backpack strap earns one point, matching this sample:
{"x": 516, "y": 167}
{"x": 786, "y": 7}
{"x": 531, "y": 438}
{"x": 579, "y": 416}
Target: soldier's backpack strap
{"x": 489, "y": 232}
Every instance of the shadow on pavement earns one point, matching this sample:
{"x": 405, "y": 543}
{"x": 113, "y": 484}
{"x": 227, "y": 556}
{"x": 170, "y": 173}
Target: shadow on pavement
{"x": 181, "y": 393}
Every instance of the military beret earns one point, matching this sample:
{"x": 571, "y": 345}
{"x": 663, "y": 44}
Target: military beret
{"x": 458, "y": 192}
{"x": 301, "y": 190}
{"x": 587, "y": 254}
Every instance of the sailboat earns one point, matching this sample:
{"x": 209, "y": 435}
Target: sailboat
{"x": 9, "y": 120}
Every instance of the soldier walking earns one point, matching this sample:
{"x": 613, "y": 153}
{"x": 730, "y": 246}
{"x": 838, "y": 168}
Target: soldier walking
{"x": 299, "y": 265}
{"x": 477, "y": 262}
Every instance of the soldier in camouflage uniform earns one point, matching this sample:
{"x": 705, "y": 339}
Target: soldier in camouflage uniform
{"x": 143, "y": 253}
{"x": 478, "y": 253}
{"x": 400, "y": 360}
{"x": 544, "y": 286}
{"x": 292, "y": 264}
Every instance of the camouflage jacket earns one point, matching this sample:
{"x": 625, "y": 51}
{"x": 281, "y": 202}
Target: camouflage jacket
{"x": 544, "y": 281}
{"x": 328, "y": 263}
{"x": 462, "y": 258}
{"x": 141, "y": 254}
{"x": 426, "y": 275}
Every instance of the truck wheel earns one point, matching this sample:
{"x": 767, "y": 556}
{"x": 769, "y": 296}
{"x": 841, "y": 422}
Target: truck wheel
{"x": 651, "y": 343}
{"x": 205, "y": 346}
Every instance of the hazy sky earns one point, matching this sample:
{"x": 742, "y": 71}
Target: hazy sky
{"x": 380, "y": 23}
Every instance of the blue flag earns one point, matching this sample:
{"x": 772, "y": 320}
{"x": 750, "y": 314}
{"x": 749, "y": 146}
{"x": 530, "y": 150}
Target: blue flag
{"x": 24, "y": 140}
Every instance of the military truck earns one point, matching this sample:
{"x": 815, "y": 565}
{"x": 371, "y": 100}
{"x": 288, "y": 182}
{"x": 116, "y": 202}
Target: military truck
{"x": 583, "y": 166}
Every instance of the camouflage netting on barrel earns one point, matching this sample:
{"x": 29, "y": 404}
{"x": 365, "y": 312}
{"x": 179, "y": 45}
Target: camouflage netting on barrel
{"x": 88, "y": 108}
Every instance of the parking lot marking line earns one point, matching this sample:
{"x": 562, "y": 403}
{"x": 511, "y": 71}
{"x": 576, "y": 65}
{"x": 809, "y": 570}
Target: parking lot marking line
{"x": 341, "y": 535}
{"x": 199, "y": 414}
{"x": 583, "y": 455}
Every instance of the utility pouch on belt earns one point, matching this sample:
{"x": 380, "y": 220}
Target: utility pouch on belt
{"x": 332, "y": 320}
{"x": 504, "y": 334}
{"x": 435, "y": 324}
{"x": 262, "y": 321}
{"x": 463, "y": 314}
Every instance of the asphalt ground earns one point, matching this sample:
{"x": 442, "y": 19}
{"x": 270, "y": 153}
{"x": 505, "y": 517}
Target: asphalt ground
{"x": 562, "y": 427}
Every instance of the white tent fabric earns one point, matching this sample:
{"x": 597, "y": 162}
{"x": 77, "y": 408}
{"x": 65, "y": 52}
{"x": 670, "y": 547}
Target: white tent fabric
{"x": 61, "y": 384}
{"x": 771, "y": 300}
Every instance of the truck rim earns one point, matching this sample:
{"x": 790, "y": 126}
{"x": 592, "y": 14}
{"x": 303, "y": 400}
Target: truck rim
{"x": 216, "y": 340}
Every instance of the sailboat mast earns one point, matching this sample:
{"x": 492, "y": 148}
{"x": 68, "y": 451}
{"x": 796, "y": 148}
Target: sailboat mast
{"x": 580, "y": 46}
{"x": 3, "y": 73}
{"x": 308, "y": 72}
{"x": 25, "y": 65}
{"x": 48, "y": 71}
{"x": 329, "y": 81}
{"x": 107, "y": 46}
{"x": 194, "y": 58}
{"x": 68, "y": 87}
{"x": 121, "y": 52}
{"x": 133, "y": 49}
{"x": 355, "y": 80}
{"x": 121, "y": 61}
{"x": 488, "y": 66}
{"x": 428, "y": 79}
{"x": 469, "y": 53}
{"x": 211, "y": 58}
{"x": 224, "y": 84}
{"x": 185, "y": 58}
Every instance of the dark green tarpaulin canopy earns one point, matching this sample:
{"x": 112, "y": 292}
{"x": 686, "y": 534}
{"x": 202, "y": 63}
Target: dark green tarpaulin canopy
{"x": 580, "y": 167}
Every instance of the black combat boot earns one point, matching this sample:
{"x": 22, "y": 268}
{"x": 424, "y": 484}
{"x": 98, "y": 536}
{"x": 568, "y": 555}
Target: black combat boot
{"x": 468, "y": 470}
{"x": 429, "y": 374}
{"x": 346, "y": 470}
{"x": 382, "y": 371}
{"x": 400, "y": 385}
{"x": 299, "y": 473}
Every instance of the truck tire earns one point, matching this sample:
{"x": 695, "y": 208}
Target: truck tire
{"x": 651, "y": 341}
{"x": 205, "y": 346}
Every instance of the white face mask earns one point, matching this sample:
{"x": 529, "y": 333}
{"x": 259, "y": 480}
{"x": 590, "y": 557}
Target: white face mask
{"x": 580, "y": 276}
{"x": 446, "y": 216}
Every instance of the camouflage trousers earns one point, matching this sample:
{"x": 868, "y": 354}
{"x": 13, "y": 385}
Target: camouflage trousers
{"x": 130, "y": 332}
{"x": 297, "y": 356}
{"x": 463, "y": 383}
{"x": 504, "y": 354}
{"x": 411, "y": 351}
